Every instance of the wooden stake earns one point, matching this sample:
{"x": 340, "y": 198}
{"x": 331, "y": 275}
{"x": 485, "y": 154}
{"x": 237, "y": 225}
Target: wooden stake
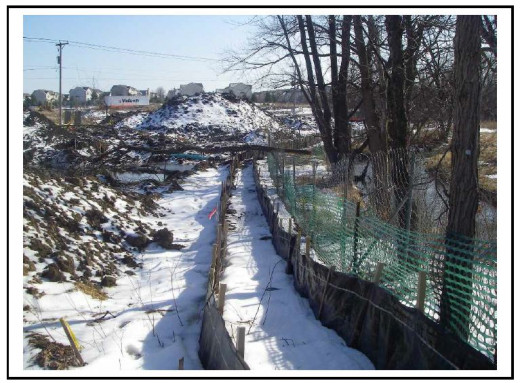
{"x": 378, "y": 273}
{"x": 181, "y": 363}
{"x": 72, "y": 340}
{"x": 241, "y": 340}
{"x": 421, "y": 291}
{"x": 214, "y": 252}
{"x": 221, "y": 297}
{"x": 308, "y": 247}
{"x": 331, "y": 270}
{"x": 219, "y": 234}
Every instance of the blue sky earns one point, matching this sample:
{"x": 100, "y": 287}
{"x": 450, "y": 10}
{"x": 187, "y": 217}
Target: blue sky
{"x": 198, "y": 36}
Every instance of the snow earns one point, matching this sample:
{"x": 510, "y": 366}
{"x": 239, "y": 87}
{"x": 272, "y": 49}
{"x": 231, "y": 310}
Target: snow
{"x": 284, "y": 333}
{"x": 206, "y": 117}
{"x": 153, "y": 318}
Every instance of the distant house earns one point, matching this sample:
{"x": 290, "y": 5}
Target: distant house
{"x": 80, "y": 95}
{"x": 123, "y": 90}
{"x": 239, "y": 89}
{"x": 43, "y": 97}
{"x": 191, "y": 89}
{"x": 145, "y": 92}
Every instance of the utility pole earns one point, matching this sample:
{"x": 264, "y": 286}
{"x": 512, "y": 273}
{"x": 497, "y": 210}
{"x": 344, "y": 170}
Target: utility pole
{"x": 60, "y": 46}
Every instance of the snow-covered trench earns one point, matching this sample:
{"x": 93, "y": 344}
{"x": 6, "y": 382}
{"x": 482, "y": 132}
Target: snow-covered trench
{"x": 152, "y": 318}
{"x": 281, "y": 329}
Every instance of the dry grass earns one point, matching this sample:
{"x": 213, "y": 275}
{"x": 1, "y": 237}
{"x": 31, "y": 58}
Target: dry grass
{"x": 487, "y": 164}
{"x": 92, "y": 290}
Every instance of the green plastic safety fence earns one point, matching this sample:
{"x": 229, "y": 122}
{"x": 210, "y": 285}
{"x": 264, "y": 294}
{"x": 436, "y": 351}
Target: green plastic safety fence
{"x": 461, "y": 273}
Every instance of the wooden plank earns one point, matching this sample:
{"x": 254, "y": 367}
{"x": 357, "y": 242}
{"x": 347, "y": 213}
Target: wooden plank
{"x": 72, "y": 340}
{"x": 421, "y": 291}
{"x": 221, "y": 297}
{"x": 378, "y": 273}
{"x": 241, "y": 340}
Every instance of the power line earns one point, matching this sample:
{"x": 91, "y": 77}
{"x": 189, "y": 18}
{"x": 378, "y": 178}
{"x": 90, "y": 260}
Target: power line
{"x": 121, "y": 50}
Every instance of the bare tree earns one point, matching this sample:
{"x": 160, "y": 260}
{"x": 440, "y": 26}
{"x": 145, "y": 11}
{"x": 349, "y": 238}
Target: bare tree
{"x": 397, "y": 124}
{"x": 463, "y": 193}
{"x": 160, "y": 93}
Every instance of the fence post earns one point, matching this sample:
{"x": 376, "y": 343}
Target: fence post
{"x": 421, "y": 291}
{"x": 221, "y": 297}
{"x": 241, "y": 340}
{"x": 409, "y": 201}
{"x": 331, "y": 270}
{"x": 343, "y": 240}
{"x": 355, "y": 258}
{"x": 283, "y": 176}
{"x": 277, "y": 173}
{"x": 307, "y": 246}
{"x": 313, "y": 221}
{"x": 378, "y": 273}
{"x": 294, "y": 171}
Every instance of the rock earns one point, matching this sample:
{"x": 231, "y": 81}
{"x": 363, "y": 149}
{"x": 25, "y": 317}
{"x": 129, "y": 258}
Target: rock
{"x": 53, "y": 273}
{"x": 163, "y": 238}
{"x": 129, "y": 272}
{"x": 108, "y": 281}
{"x": 139, "y": 241}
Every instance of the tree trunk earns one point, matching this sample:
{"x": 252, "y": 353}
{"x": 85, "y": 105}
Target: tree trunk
{"x": 321, "y": 116}
{"x": 342, "y": 131}
{"x": 397, "y": 125}
{"x": 376, "y": 134}
{"x": 463, "y": 199}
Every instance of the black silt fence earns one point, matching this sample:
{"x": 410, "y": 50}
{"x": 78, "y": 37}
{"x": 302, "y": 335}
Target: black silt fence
{"x": 366, "y": 316}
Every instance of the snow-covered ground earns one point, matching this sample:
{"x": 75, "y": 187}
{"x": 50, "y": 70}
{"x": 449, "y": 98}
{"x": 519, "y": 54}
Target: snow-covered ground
{"x": 281, "y": 329}
{"x": 153, "y": 316}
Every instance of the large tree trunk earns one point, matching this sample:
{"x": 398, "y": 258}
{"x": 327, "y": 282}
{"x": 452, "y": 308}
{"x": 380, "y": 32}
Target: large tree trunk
{"x": 397, "y": 125}
{"x": 375, "y": 132}
{"x": 342, "y": 131}
{"x": 413, "y": 42}
{"x": 463, "y": 199}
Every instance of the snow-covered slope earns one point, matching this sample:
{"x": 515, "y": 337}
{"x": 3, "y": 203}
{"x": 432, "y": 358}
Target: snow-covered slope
{"x": 208, "y": 118}
{"x": 132, "y": 306}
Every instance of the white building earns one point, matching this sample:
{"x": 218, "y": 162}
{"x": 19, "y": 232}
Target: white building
{"x": 239, "y": 89}
{"x": 42, "y": 96}
{"x": 80, "y": 95}
{"x": 123, "y": 90}
{"x": 191, "y": 89}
